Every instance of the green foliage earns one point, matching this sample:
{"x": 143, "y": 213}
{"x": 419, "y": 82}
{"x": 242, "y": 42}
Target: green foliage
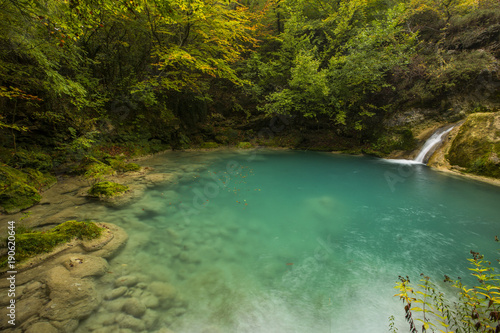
{"x": 245, "y": 145}
{"x": 31, "y": 159}
{"x": 477, "y": 308}
{"x": 209, "y": 145}
{"x": 96, "y": 171}
{"x": 107, "y": 189}
{"x": 31, "y": 243}
{"x": 338, "y": 59}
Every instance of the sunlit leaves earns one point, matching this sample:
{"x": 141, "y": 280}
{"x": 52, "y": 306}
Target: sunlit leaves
{"x": 477, "y": 308}
{"x": 194, "y": 38}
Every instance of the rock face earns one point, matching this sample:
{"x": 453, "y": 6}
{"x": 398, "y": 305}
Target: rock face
{"x": 54, "y": 294}
{"x": 476, "y": 148}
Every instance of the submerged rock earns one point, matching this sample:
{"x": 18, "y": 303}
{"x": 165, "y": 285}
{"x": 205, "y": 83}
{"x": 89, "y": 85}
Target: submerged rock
{"x": 67, "y": 326}
{"x": 127, "y": 321}
{"x": 71, "y": 298}
{"x": 150, "y": 319}
{"x": 134, "y": 307}
{"x": 127, "y": 281}
{"x": 150, "y": 301}
{"x": 40, "y": 327}
{"x": 115, "y": 293}
{"x": 164, "y": 291}
{"x": 85, "y": 265}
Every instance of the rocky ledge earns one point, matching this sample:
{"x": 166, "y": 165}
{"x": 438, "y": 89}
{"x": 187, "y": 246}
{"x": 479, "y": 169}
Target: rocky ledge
{"x": 54, "y": 291}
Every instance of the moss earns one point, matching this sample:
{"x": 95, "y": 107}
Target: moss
{"x": 244, "y": 145}
{"x": 30, "y": 244}
{"x": 20, "y": 190}
{"x": 209, "y": 145}
{"x": 477, "y": 145}
{"x": 98, "y": 170}
{"x": 107, "y": 189}
{"x": 40, "y": 180}
{"x": 120, "y": 165}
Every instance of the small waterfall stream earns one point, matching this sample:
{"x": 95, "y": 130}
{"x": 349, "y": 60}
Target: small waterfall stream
{"x": 431, "y": 143}
{"x": 428, "y": 148}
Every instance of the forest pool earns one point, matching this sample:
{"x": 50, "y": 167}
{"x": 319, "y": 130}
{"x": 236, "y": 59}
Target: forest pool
{"x": 288, "y": 241}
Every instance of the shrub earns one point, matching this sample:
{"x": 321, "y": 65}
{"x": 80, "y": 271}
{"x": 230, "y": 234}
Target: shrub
{"x": 33, "y": 160}
{"x": 477, "y": 308}
{"x": 209, "y": 145}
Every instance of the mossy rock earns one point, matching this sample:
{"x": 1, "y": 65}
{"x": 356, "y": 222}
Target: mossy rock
{"x": 121, "y": 166}
{"x": 477, "y": 145}
{"x": 20, "y": 190}
{"x": 30, "y": 244}
{"x": 39, "y": 180}
{"x": 98, "y": 170}
{"x": 209, "y": 145}
{"x": 107, "y": 189}
{"x": 245, "y": 145}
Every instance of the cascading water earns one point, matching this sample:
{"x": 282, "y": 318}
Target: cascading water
{"x": 431, "y": 143}
{"x": 430, "y": 146}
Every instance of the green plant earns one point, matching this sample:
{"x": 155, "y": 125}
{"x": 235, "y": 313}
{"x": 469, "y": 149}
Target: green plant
{"x": 121, "y": 165}
{"x": 477, "y": 308}
{"x": 31, "y": 159}
{"x": 209, "y": 145}
{"x": 96, "y": 171}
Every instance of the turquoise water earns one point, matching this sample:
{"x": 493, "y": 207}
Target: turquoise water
{"x": 278, "y": 241}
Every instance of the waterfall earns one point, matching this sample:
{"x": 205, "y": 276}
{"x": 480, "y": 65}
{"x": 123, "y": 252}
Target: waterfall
{"x": 430, "y": 146}
{"x": 431, "y": 143}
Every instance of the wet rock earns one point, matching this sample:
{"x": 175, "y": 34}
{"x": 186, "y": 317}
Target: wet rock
{"x": 85, "y": 265}
{"x": 115, "y": 293}
{"x": 157, "y": 178}
{"x": 71, "y": 298}
{"x": 42, "y": 327}
{"x": 67, "y": 326}
{"x": 127, "y": 321}
{"x": 127, "y": 281}
{"x": 134, "y": 307}
{"x": 118, "y": 239}
{"x": 107, "y": 329}
{"x": 97, "y": 321}
{"x": 31, "y": 288}
{"x": 136, "y": 292}
{"x": 28, "y": 307}
{"x": 114, "y": 305}
{"x": 142, "y": 285}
